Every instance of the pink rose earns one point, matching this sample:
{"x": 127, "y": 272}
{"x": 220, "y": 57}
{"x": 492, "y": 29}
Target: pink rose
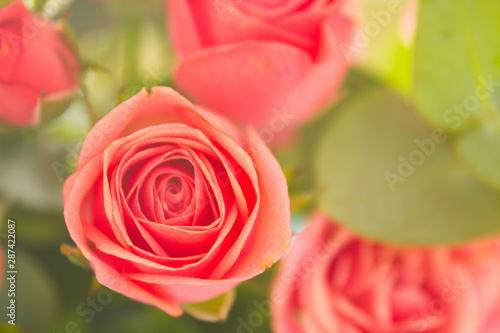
{"x": 272, "y": 64}
{"x": 333, "y": 281}
{"x": 37, "y": 65}
{"x": 173, "y": 204}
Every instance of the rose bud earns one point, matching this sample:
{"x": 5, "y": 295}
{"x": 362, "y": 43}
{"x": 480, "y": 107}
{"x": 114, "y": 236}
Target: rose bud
{"x": 37, "y": 65}
{"x": 273, "y": 65}
{"x": 172, "y": 204}
{"x": 333, "y": 281}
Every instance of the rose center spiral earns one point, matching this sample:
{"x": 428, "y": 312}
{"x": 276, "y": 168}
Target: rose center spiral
{"x": 177, "y": 194}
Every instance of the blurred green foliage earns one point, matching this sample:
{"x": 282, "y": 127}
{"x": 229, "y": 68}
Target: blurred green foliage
{"x": 397, "y": 93}
{"x": 457, "y": 66}
{"x": 396, "y": 179}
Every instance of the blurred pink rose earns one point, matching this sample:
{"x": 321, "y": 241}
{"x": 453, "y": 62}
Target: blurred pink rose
{"x": 37, "y": 65}
{"x": 332, "y": 281}
{"x": 272, "y": 64}
{"x": 173, "y": 204}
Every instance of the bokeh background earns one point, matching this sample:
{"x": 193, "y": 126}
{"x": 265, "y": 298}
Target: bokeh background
{"x": 124, "y": 46}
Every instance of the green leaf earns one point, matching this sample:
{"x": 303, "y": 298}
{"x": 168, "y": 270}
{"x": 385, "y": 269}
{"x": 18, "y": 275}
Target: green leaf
{"x": 214, "y": 310}
{"x": 74, "y": 255}
{"x": 480, "y": 150}
{"x": 457, "y": 62}
{"x": 52, "y": 108}
{"x": 391, "y": 177}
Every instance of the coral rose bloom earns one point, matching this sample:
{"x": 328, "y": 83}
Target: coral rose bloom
{"x": 251, "y": 59}
{"x": 37, "y": 65}
{"x": 332, "y": 281}
{"x": 172, "y": 204}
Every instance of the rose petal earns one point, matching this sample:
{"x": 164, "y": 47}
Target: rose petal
{"x": 273, "y": 216}
{"x": 24, "y": 109}
{"x": 105, "y": 274}
{"x": 268, "y": 70}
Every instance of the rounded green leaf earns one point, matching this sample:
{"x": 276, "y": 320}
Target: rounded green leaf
{"x": 456, "y": 62}
{"x": 391, "y": 177}
{"x": 480, "y": 150}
